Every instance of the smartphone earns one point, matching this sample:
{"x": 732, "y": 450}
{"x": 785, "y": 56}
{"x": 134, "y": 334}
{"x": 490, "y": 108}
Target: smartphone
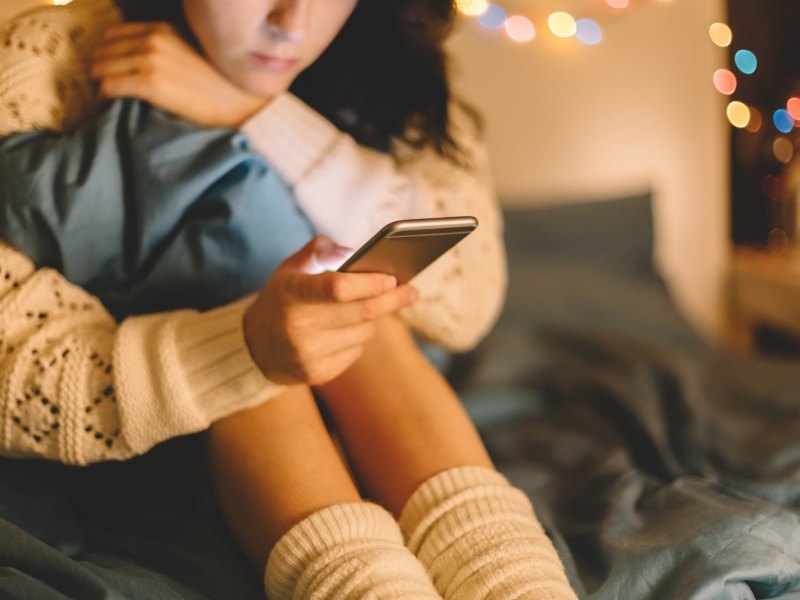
{"x": 404, "y": 248}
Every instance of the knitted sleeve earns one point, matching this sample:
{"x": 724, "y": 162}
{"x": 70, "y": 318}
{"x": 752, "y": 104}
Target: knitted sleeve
{"x": 44, "y": 64}
{"x": 77, "y": 388}
{"x": 349, "y": 192}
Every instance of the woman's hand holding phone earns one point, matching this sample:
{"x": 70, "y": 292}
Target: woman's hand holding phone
{"x": 307, "y": 327}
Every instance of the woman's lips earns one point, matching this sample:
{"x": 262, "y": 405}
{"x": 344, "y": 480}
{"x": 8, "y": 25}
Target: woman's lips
{"x": 274, "y": 64}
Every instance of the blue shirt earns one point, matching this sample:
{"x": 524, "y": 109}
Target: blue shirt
{"x": 147, "y": 211}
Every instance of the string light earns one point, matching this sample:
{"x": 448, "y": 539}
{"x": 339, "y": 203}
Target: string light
{"x": 784, "y": 122}
{"x": 784, "y": 119}
{"x": 472, "y": 7}
{"x": 793, "y": 106}
{"x": 520, "y": 28}
{"x": 746, "y": 61}
{"x": 587, "y": 29}
{"x": 720, "y": 34}
{"x": 562, "y": 24}
{"x": 494, "y": 17}
{"x": 738, "y": 114}
{"x": 756, "y": 120}
{"x": 724, "y": 81}
{"x": 588, "y": 32}
{"x": 783, "y": 150}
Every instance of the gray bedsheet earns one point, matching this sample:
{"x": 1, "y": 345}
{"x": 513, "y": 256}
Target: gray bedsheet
{"x": 663, "y": 469}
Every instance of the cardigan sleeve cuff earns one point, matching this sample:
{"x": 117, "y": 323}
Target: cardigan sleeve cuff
{"x": 179, "y": 372}
{"x": 219, "y": 369}
{"x": 291, "y": 136}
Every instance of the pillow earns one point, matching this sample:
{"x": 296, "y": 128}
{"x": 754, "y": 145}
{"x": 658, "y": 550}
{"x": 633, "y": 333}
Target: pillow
{"x": 614, "y": 234}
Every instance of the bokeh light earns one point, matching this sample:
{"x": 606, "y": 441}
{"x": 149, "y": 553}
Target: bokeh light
{"x": 562, "y": 24}
{"x": 618, "y": 3}
{"x": 778, "y": 241}
{"x": 724, "y": 81}
{"x": 472, "y": 7}
{"x": 494, "y": 17}
{"x": 520, "y": 29}
{"x": 784, "y": 122}
{"x": 756, "y": 120}
{"x": 783, "y": 150}
{"x": 738, "y": 114}
{"x": 588, "y": 32}
{"x": 793, "y": 106}
{"x": 746, "y": 61}
{"x": 721, "y": 34}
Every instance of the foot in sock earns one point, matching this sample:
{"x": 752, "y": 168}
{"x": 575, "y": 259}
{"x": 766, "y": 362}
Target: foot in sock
{"x": 479, "y": 539}
{"x": 353, "y": 550}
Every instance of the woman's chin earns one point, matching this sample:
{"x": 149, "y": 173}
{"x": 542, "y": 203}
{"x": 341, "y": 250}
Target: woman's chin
{"x": 266, "y": 87}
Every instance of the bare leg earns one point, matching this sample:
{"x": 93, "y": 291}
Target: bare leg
{"x": 292, "y": 506}
{"x": 398, "y": 418}
{"x": 272, "y": 466}
{"x": 414, "y": 449}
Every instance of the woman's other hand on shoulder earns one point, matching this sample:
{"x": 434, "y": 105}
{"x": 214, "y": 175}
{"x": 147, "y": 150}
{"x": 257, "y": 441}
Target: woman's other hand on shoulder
{"x": 309, "y": 327}
{"x": 151, "y": 61}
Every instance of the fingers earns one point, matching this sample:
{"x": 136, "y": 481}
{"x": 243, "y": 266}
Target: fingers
{"x": 319, "y": 357}
{"x": 136, "y": 39}
{"x": 136, "y": 30}
{"x": 114, "y": 66}
{"x": 373, "y": 308}
{"x": 309, "y": 328}
{"x": 126, "y": 59}
{"x": 326, "y": 343}
{"x": 340, "y": 287}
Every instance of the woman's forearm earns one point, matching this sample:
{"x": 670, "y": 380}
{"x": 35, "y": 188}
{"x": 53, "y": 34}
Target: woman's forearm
{"x": 77, "y": 388}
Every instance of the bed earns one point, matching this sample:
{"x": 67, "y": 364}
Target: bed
{"x": 663, "y": 468}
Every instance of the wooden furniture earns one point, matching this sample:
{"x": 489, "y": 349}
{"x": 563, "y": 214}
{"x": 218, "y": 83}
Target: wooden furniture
{"x": 766, "y": 291}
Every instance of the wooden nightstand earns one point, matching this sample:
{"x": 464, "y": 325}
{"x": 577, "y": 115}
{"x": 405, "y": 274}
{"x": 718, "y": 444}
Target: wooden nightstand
{"x": 765, "y": 293}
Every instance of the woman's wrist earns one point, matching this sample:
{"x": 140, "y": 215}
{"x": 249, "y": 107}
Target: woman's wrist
{"x": 240, "y": 111}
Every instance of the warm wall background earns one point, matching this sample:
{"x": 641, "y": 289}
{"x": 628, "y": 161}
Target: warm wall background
{"x": 636, "y": 112}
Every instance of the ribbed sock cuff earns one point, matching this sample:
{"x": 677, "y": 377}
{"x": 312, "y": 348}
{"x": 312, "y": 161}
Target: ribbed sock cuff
{"x": 342, "y": 551}
{"x": 439, "y": 494}
{"x": 479, "y": 538}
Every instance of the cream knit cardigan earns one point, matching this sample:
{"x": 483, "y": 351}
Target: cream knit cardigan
{"x": 78, "y": 388}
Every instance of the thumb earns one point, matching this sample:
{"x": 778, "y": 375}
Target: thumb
{"x": 320, "y": 254}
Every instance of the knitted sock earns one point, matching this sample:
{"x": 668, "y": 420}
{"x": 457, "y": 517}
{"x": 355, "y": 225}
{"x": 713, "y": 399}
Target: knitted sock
{"x": 352, "y": 551}
{"x": 479, "y": 538}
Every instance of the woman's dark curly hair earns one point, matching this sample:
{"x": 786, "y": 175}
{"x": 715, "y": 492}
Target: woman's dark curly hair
{"x": 383, "y": 77}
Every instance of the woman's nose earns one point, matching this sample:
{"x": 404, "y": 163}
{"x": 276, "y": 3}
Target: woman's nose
{"x": 288, "y": 19}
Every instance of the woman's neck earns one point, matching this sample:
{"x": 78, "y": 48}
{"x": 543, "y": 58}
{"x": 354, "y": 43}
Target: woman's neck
{"x": 12, "y": 8}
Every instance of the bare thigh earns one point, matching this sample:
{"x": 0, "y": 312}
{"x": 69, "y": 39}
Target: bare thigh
{"x": 273, "y": 465}
{"x": 399, "y": 420}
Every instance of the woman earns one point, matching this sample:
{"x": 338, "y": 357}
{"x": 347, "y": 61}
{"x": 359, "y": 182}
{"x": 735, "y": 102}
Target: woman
{"x": 290, "y": 491}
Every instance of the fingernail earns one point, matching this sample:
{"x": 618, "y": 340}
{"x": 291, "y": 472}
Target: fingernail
{"x": 389, "y": 283}
{"x": 323, "y": 242}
